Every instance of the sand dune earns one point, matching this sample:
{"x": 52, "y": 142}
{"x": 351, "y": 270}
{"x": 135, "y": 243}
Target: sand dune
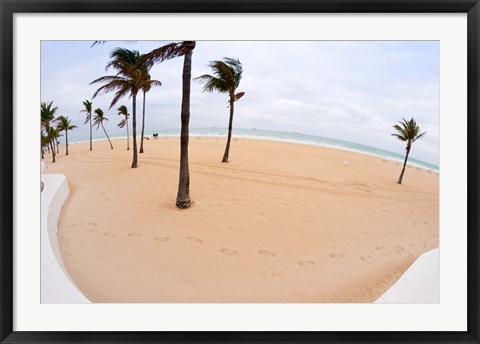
{"x": 280, "y": 222}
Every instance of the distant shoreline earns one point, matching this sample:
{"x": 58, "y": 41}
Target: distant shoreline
{"x": 411, "y": 162}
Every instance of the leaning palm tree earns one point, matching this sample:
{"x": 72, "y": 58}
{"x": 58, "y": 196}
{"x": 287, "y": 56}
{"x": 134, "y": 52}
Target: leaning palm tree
{"x": 64, "y": 124}
{"x": 409, "y": 132}
{"x": 47, "y": 117}
{"x": 123, "y": 111}
{"x": 128, "y": 81}
{"x": 167, "y": 52}
{"x": 225, "y": 79}
{"x": 98, "y": 121}
{"x": 88, "y": 116}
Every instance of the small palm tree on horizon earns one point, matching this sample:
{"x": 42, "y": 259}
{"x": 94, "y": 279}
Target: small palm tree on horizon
{"x": 123, "y": 111}
{"x": 225, "y": 79}
{"x": 98, "y": 120}
{"x": 88, "y": 116}
{"x": 409, "y": 132}
{"x": 64, "y": 124}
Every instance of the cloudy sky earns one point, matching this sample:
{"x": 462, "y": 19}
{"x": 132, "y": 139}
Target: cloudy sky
{"x": 353, "y": 91}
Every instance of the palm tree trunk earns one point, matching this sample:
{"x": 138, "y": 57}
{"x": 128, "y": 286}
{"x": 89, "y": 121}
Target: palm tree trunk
{"x": 107, "y": 136}
{"x": 41, "y": 150}
{"x": 128, "y": 139}
{"x": 134, "y": 130}
{"x": 53, "y": 150}
{"x": 58, "y": 149}
{"x": 143, "y": 124}
{"x": 230, "y": 125}
{"x": 183, "y": 195}
{"x": 66, "y": 141}
{"x": 48, "y": 148}
{"x": 90, "y": 131}
{"x": 403, "y": 169}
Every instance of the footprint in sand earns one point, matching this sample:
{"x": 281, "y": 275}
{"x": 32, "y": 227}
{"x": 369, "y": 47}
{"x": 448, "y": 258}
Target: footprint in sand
{"x": 305, "y": 263}
{"x": 195, "y": 240}
{"x": 379, "y": 247}
{"x": 229, "y": 252}
{"x": 159, "y": 239}
{"x": 134, "y": 235}
{"x": 267, "y": 254}
{"x": 366, "y": 258}
{"x": 399, "y": 249}
{"x": 336, "y": 255}
{"x": 108, "y": 234}
{"x": 412, "y": 244}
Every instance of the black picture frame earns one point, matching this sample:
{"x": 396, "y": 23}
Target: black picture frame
{"x": 10, "y": 7}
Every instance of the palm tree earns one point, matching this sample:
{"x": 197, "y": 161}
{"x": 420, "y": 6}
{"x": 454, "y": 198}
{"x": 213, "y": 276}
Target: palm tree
{"x": 123, "y": 60}
{"x": 147, "y": 85}
{"x": 53, "y": 135}
{"x": 129, "y": 80}
{"x": 225, "y": 79}
{"x": 98, "y": 121}
{"x": 409, "y": 132}
{"x": 47, "y": 117}
{"x": 64, "y": 124}
{"x": 167, "y": 52}
{"x": 88, "y": 117}
{"x": 123, "y": 111}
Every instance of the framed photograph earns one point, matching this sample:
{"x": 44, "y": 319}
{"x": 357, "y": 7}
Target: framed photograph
{"x": 240, "y": 171}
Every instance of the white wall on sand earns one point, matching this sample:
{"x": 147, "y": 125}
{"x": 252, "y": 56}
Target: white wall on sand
{"x": 419, "y": 284}
{"x": 56, "y": 285}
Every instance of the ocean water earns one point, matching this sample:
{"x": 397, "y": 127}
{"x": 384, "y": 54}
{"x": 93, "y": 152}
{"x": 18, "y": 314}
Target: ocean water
{"x": 294, "y": 137}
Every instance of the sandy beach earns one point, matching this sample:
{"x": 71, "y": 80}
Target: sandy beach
{"x": 280, "y": 222}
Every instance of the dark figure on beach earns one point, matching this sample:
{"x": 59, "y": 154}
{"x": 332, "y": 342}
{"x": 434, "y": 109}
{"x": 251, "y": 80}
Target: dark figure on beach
{"x": 155, "y": 136}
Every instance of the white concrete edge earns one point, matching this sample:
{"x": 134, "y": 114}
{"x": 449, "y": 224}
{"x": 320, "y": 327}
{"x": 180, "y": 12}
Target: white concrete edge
{"x": 420, "y": 284}
{"x": 56, "y": 284}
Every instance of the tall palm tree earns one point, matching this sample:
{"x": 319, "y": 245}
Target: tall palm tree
{"x": 147, "y": 86}
{"x": 409, "y": 132}
{"x": 47, "y": 117}
{"x": 88, "y": 116}
{"x": 123, "y": 111}
{"x": 167, "y": 52}
{"x": 98, "y": 121}
{"x": 128, "y": 81}
{"x": 123, "y": 60}
{"x": 64, "y": 124}
{"x": 225, "y": 79}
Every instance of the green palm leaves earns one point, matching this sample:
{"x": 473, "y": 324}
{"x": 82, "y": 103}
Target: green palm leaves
{"x": 409, "y": 132}
{"x": 225, "y": 79}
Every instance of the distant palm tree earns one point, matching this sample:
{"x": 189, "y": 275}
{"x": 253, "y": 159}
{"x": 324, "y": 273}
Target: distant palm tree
{"x": 98, "y": 121}
{"x": 129, "y": 81}
{"x": 409, "y": 132}
{"x": 123, "y": 111}
{"x": 167, "y": 52}
{"x": 88, "y": 118}
{"x": 64, "y": 124}
{"x": 225, "y": 79}
{"x": 47, "y": 117}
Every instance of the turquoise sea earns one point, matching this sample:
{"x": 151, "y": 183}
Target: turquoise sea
{"x": 295, "y": 137}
